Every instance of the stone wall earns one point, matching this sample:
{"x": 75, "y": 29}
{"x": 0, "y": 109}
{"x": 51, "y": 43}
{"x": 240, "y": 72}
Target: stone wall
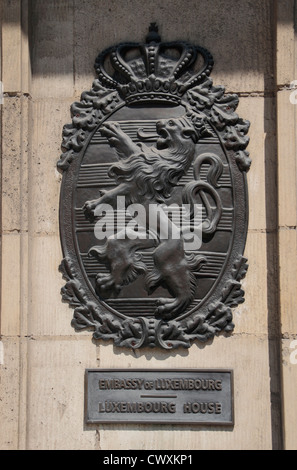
{"x": 48, "y": 50}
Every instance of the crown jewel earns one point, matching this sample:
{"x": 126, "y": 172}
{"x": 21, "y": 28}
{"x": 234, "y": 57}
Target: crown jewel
{"x": 154, "y": 70}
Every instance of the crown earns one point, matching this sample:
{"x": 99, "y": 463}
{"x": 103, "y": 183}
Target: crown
{"x": 154, "y": 70}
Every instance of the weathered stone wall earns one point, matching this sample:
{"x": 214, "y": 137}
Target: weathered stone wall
{"x": 48, "y": 50}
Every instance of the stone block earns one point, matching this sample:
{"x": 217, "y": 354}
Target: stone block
{"x": 289, "y": 380}
{"x": 9, "y": 393}
{"x": 261, "y": 177}
{"x": 288, "y": 276}
{"x": 286, "y": 42}
{"x": 287, "y": 160}
{"x": 52, "y": 49}
{"x": 55, "y": 413}
{"x": 11, "y": 46}
{"x": 48, "y": 118}
{"x": 48, "y": 314}
{"x": 11, "y": 285}
{"x": 252, "y": 316}
{"x": 14, "y": 163}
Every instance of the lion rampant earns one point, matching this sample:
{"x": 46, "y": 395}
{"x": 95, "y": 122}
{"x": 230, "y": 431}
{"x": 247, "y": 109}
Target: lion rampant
{"x": 147, "y": 175}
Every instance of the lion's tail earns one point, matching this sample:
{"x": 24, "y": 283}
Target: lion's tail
{"x": 195, "y": 193}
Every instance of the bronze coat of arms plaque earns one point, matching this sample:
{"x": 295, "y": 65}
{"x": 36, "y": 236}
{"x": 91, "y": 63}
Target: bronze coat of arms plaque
{"x": 153, "y": 204}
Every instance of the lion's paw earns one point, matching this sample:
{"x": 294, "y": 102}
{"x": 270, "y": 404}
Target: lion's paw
{"x": 106, "y": 283}
{"x": 88, "y": 209}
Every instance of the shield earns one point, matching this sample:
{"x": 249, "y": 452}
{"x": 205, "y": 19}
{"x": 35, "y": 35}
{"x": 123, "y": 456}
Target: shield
{"x": 153, "y": 205}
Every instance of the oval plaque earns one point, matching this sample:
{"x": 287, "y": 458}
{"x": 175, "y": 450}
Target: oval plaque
{"x": 153, "y": 208}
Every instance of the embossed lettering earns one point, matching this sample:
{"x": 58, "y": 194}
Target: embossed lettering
{"x": 115, "y": 384}
{"x": 188, "y": 384}
{"x": 136, "y": 407}
{"x": 203, "y": 407}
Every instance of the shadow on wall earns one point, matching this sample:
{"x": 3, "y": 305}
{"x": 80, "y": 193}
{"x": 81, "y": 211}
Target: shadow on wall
{"x": 65, "y": 37}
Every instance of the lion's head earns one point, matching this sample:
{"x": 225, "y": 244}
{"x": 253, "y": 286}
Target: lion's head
{"x": 176, "y": 133}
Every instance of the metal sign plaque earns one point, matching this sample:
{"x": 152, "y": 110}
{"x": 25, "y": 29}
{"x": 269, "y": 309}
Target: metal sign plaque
{"x": 159, "y": 396}
{"x": 153, "y": 207}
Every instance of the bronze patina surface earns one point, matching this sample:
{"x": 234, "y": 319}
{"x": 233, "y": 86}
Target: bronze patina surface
{"x": 152, "y": 142}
